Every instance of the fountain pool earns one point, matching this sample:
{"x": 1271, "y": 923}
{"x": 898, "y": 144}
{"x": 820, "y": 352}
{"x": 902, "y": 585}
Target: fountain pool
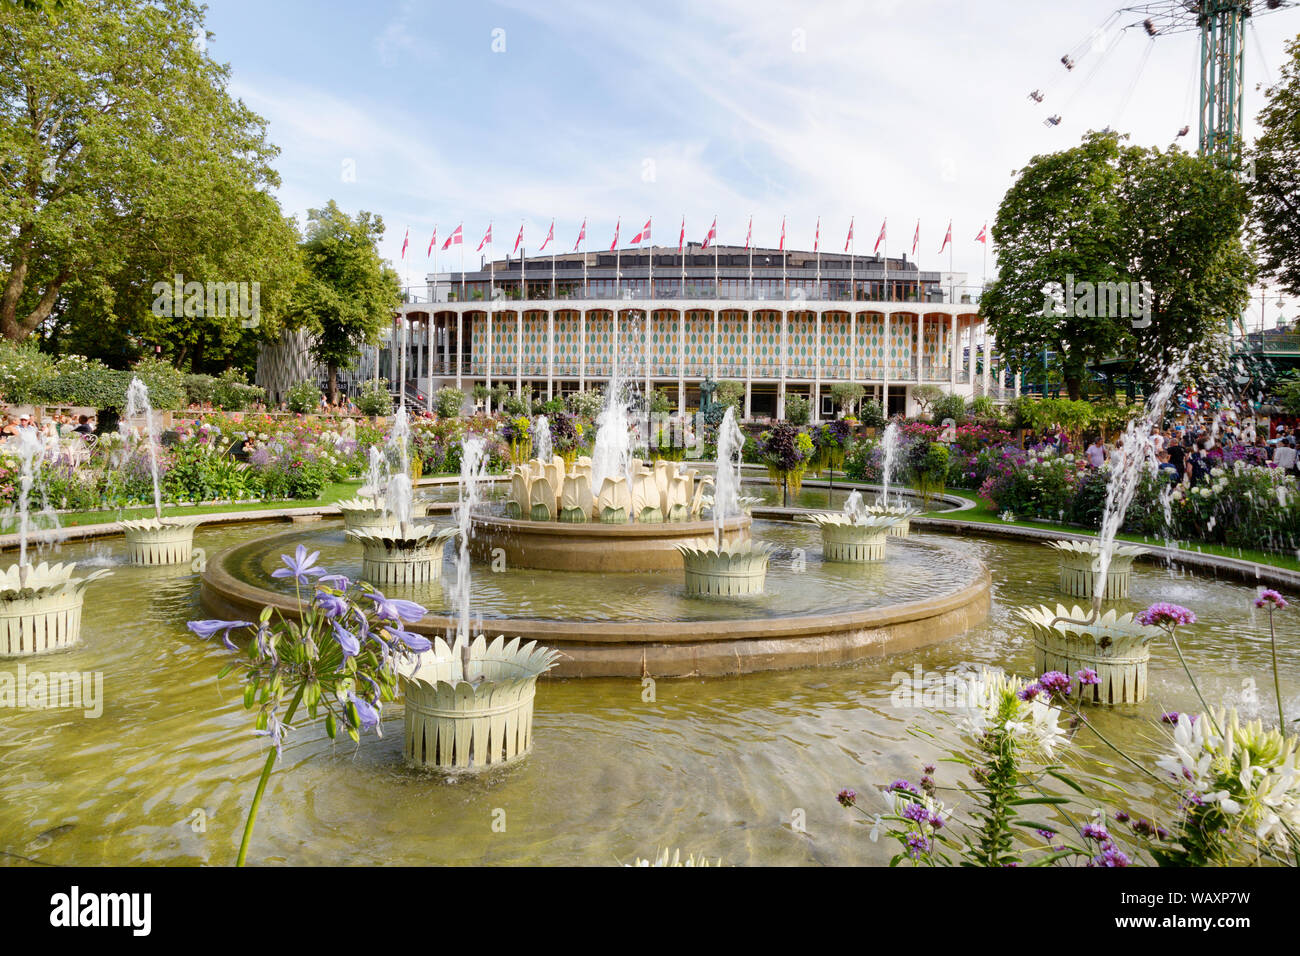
{"x": 712, "y": 766}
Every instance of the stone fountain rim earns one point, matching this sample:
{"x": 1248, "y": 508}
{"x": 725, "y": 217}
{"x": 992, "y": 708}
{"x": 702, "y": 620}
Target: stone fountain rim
{"x": 587, "y": 529}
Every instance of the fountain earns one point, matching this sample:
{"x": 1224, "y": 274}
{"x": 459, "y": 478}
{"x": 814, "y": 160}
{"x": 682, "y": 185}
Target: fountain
{"x": 1079, "y": 564}
{"x": 717, "y": 567}
{"x": 542, "y": 438}
{"x": 856, "y": 536}
{"x": 366, "y": 510}
{"x": 397, "y": 552}
{"x": 154, "y": 541}
{"x": 469, "y": 705}
{"x": 1112, "y": 645}
{"x": 902, "y": 526}
{"x": 609, "y": 512}
{"x": 40, "y": 607}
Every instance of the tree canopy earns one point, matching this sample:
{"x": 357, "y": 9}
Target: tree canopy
{"x": 1276, "y": 181}
{"x": 1149, "y": 239}
{"x": 124, "y": 162}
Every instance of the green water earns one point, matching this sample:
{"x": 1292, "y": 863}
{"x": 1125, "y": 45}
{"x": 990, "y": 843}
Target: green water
{"x": 719, "y": 767}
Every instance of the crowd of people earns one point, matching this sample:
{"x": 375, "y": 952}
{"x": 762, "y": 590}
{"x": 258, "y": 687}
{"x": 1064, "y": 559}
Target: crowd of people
{"x": 53, "y": 427}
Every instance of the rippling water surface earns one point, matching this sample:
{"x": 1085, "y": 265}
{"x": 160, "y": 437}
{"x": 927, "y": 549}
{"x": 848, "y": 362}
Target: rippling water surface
{"x": 712, "y": 766}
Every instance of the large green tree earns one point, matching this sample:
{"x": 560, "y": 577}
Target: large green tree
{"x": 1163, "y": 224}
{"x": 1275, "y": 160}
{"x": 124, "y": 161}
{"x": 348, "y": 293}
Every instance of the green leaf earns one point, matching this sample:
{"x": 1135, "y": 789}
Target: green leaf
{"x": 1025, "y": 801}
{"x": 1066, "y": 780}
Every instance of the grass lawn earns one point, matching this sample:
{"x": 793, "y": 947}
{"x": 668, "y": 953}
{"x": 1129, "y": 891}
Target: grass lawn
{"x": 333, "y": 492}
{"x": 984, "y": 512}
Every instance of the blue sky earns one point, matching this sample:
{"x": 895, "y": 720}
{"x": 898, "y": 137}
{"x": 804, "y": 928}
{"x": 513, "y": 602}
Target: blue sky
{"x": 867, "y": 108}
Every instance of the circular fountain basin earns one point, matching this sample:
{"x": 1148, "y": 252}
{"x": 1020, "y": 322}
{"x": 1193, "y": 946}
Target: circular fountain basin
{"x": 593, "y": 546}
{"x": 605, "y": 624}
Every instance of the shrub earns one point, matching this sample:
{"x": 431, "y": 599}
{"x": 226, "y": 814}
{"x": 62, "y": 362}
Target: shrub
{"x": 448, "y": 402}
{"x": 982, "y": 406}
{"x": 846, "y": 395}
{"x": 199, "y": 389}
{"x": 586, "y": 404}
{"x": 731, "y": 392}
{"x": 517, "y": 405}
{"x": 950, "y": 406}
{"x": 797, "y": 410}
{"x": 871, "y": 415}
{"x": 233, "y": 393}
{"x": 304, "y": 397}
{"x": 374, "y": 399}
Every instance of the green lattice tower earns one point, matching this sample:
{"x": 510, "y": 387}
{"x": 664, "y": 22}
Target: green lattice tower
{"x": 1223, "y": 46}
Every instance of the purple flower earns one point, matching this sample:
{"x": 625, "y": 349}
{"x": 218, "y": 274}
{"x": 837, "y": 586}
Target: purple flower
{"x": 276, "y": 731}
{"x": 916, "y": 813}
{"x": 1271, "y": 599}
{"x": 415, "y": 642}
{"x": 1054, "y": 682}
{"x": 205, "y": 629}
{"x": 1110, "y": 856}
{"x": 347, "y": 640}
{"x": 332, "y": 604}
{"x": 847, "y": 798}
{"x": 917, "y": 845}
{"x": 1095, "y": 831}
{"x": 1088, "y": 677}
{"x": 300, "y": 567}
{"x": 367, "y": 713}
{"x": 1121, "y": 816}
{"x": 395, "y": 609}
{"x": 1164, "y": 614}
{"x": 1029, "y": 692}
{"x": 340, "y": 582}
{"x": 904, "y": 786}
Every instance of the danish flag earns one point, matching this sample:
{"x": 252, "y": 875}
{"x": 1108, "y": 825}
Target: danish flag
{"x": 518, "y": 239}
{"x": 849, "y": 238}
{"x": 916, "y": 238}
{"x": 614, "y": 245}
{"x": 487, "y": 239}
{"x": 406, "y": 240}
{"x": 749, "y": 233}
{"x": 817, "y": 236}
{"x": 681, "y": 239}
{"x": 549, "y": 236}
{"x": 781, "y": 247}
{"x": 582, "y": 234}
{"x": 947, "y": 238}
{"x": 433, "y": 241}
{"x": 880, "y": 238}
{"x": 455, "y": 239}
{"x": 643, "y": 235}
{"x": 713, "y": 234}
{"x": 984, "y": 234}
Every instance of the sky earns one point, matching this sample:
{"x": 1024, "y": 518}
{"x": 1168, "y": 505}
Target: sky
{"x": 433, "y": 114}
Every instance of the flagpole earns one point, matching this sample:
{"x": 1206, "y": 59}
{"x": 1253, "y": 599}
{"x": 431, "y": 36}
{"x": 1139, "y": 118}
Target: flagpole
{"x": 717, "y": 284}
{"x": 785, "y": 282}
{"x": 586, "y": 289}
{"x": 853, "y": 292}
{"x": 652, "y": 264}
{"x": 817, "y": 243}
{"x": 681, "y": 252}
{"x": 462, "y": 268}
{"x": 889, "y": 349}
{"x": 749, "y": 242}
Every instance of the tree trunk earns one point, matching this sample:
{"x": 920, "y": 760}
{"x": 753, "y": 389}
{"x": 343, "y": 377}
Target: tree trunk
{"x": 1073, "y": 387}
{"x": 334, "y": 384}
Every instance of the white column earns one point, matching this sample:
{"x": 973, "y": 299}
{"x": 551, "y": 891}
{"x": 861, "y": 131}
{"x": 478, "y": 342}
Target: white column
{"x": 488, "y": 355}
{"x": 617, "y": 354}
{"x": 550, "y": 354}
{"x": 647, "y": 354}
{"x": 853, "y": 344}
{"x": 888, "y": 353}
{"x": 582, "y": 349}
{"x": 717, "y": 321}
{"x": 681, "y": 359}
{"x": 460, "y": 342}
{"x": 428, "y": 362}
{"x": 785, "y": 352}
{"x": 955, "y": 351}
{"x": 920, "y": 346}
{"x": 988, "y": 358}
{"x": 519, "y": 353}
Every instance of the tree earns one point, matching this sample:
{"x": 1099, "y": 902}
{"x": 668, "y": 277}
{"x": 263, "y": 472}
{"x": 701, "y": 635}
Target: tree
{"x": 124, "y": 161}
{"x": 1276, "y": 186}
{"x": 730, "y": 392}
{"x": 925, "y": 396}
{"x": 1149, "y": 240}
{"x": 348, "y": 294}
{"x": 846, "y": 395}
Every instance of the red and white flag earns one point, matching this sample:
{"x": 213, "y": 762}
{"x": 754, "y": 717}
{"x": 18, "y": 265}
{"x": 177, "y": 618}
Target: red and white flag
{"x": 643, "y": 235}
{"x": 817, "y": 236}
{"x": 455, "y": 239}
{"x": 880, "y": 238}
{"x": 614, "y": 245}
{"x": 518, "y": 239}
{"x": 406, "y": 241}
{"x": 781, "y": 247}
{"x": 713, "y": 234}
{"x": 486, "y": 240}
{"x": 947, "y": 237}
{"x": 549, "y": 236}
{"x": 582, "y": 234}
{"x": 681, "y": 239}
{"x": 433, "y": 241}
{"x": 849, "y": 238}
{"x": 749, "y": 233}
{"x": 984, "y": 234}
{"x": 916, "y": 238}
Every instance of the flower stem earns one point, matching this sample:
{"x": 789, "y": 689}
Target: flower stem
{"x": 1277, "y": 684}
{"x": 1209, "y": 714}
{"x": 261, "y": 783}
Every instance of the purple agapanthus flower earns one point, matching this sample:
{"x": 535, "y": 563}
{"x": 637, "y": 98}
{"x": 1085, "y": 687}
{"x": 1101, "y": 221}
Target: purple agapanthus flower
{"x": 347, "y": 640}
{"x": 334, "y": 605}
{"x": 414, "y": 642}
{"x": 340, "y": 582}
{"x": 300, "y": 567}
{"x": 395, "y": 609}
{"x": 205, "y": 630}
{"x": 276, "y": 731}
{"x": 1271, "y": 599}
{"x": 1164, "y": 614}
{"x": 366, "y": 711}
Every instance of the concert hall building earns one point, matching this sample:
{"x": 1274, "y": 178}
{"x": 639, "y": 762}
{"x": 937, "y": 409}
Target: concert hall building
{"x": 781, "y": 323}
